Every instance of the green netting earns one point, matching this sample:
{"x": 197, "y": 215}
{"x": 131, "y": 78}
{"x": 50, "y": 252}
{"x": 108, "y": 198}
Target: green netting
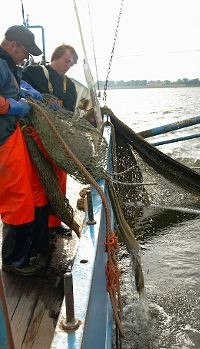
{"x": 46, "y": 151}
{"x": 84, "y": 140}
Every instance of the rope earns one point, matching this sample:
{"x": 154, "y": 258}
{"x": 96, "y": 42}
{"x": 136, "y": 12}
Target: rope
{"x": 132, "y": 184}
{"x": 125, "y": 230}
{"x": 112, "y": 276}
{"x": 95, "y": 60}
{"x": 112, "y": 264}
{"x": 131, "y": 243}
{"x": 116, "y": 174}
{"x": 128, "y": 237}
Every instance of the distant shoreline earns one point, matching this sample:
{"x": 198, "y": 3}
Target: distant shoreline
{"x": 138, "y": 84}
{"x": 144, "y": 87}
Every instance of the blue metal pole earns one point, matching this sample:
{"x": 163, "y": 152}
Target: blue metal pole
{"x": 26, "y": 24}
{"x": 178, "y": 139}
{"x": 170, "y": 127}
{"x": 43, "y": 41}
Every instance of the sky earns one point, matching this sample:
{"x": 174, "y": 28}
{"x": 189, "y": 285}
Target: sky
{"x": 157, "y": 39}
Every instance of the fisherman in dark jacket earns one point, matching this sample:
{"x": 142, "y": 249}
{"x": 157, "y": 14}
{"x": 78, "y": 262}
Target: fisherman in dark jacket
{"x": 23, "y": 203}
{"x": 53, "y": 79}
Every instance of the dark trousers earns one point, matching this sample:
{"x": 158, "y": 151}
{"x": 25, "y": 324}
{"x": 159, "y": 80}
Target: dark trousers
{"x": 18, "y": 240}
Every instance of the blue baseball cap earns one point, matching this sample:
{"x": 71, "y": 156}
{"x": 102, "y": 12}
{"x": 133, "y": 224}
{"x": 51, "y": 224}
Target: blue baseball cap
{"x": 24, "y": 37}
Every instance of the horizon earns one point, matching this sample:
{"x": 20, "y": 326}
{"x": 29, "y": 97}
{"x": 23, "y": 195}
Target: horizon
{"x": 172, "y": 81}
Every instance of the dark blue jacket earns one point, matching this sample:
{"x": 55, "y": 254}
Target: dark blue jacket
{"x": 34, "y": 75}
{"x": 10, "y": 76}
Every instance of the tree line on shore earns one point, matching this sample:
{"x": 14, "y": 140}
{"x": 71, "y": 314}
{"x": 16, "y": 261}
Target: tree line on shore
{"x": 149, "y": 83}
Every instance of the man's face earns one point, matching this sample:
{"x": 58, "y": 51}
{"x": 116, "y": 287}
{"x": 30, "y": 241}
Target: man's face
{"x": 19, "y": 53}
{"x": 65, "y": 62}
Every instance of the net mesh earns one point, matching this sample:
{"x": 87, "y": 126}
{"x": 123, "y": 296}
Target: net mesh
{"x": 85, "y": 141}
{"x": 169, "y": 203}
{"x": 126, "y": 175}
{"x": 46, "y": 151}
{"x": 157, "y": 188}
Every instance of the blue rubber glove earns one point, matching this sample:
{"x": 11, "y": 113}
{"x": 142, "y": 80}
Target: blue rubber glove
{"x": 18, "y": 108}
{"x": 28, "y": 90}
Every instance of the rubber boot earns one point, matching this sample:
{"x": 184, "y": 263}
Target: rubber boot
{"x": 17, "y": 241}
{"x": 41, "y": 234}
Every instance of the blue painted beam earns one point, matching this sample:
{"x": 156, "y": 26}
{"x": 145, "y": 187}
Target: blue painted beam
{"x": 91, "y": 299}
{"x": 170, "y": 127}
{"x": 174, "y": 140}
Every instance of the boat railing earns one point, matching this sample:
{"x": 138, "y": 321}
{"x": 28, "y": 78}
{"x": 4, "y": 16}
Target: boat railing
{"x": 92, "y": 312}
{"x": 175, "y": 126}
{"x": 90, "y": 220}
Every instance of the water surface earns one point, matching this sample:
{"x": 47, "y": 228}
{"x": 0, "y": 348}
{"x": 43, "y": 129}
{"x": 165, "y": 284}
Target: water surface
{"x": 168, "y": 316}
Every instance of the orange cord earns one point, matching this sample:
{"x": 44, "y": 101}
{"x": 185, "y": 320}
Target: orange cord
{"x": 112, "y": 278}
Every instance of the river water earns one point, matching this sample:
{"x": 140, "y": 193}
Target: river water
{"x": 168, "y": 316}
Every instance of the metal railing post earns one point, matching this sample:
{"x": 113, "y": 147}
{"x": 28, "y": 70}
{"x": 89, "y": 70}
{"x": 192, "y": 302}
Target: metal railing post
{"x": 70, "y": 324}
{"x": 90, "y": 220}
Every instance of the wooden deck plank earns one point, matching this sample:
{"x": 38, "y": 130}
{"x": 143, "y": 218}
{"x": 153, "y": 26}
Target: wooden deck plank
{"x": 47, "y": 310}
{"x": 45, "y": 334}
{"x": 33, "y": 302}
{"x": 14, "y": 290}
{"x": 25, "y": 309}
{"x": 34, "y": 325}
{"x": 45, "y": 315}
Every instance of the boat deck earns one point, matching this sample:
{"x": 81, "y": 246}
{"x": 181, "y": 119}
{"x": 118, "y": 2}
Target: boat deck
{"x": 34, "y": 302}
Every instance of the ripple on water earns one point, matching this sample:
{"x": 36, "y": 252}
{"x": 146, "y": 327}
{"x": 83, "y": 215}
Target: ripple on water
{"x": 168, "y": 316}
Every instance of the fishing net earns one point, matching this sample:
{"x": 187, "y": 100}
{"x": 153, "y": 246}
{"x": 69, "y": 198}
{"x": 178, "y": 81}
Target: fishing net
{"x": 46, "y": 148}
{"x": 169, "y": 203}
{"x": 41, "y": 130}
{"x": 85, "y": 141}
{"x": 127, "y": 179}
{"x": 169, "y": 190}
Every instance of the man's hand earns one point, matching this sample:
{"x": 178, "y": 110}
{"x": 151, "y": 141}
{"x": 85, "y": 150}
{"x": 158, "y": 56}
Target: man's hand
{"x": 27, "y": 90}
{"x": 18, "y": 108}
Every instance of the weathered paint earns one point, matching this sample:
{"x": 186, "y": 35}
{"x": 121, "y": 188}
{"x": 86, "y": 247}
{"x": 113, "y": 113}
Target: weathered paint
{"x": 92, "y": 303}
{"x": 6, "y": 341}
{"x": 3, "y": 330}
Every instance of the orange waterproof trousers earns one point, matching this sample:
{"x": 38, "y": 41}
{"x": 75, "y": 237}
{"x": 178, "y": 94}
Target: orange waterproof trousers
{"x": 53, "y": 221}
{"x": 20, "y": 187}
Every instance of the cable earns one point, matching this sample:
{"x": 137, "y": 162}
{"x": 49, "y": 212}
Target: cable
{"x": 95, "y": 61}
